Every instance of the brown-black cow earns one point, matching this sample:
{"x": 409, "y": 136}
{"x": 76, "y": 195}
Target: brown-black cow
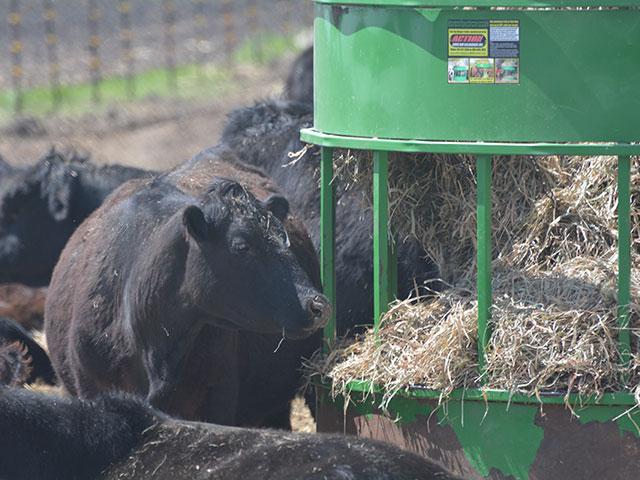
{"x": 179, "y": 289}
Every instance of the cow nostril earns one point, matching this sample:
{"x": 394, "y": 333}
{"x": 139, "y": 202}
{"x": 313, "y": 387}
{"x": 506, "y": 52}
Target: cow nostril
{"x": 316, "y": 306}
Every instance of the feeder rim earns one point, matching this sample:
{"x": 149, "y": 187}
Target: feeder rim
{"x": 313, "y": 136}
{"x": 560, "y": 4}
{"x": 500, "y": 396}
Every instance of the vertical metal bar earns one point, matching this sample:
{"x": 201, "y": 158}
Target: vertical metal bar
{"x": 51, "y": 39}
{"x": 126, "y": 45}
{"x": 17, "y": 72}
{"x": 381, "y": 287}
{"x": 484, "y": 174}
{"x": 327, "y": 240}
{"x": 624, "y": 257}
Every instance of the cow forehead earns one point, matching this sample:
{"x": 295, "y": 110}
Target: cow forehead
{"x": 264, "y": 226}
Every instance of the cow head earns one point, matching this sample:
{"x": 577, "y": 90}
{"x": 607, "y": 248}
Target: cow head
{"x": 241, "y": 267}
{"x": 35, "y": 219}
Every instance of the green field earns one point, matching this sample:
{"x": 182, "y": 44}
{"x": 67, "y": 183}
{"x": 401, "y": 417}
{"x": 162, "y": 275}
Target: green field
{"x": 186, "y": 81}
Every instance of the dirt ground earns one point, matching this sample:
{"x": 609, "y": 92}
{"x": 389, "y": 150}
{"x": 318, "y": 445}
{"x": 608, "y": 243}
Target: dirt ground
{"x": 157, "y": 134}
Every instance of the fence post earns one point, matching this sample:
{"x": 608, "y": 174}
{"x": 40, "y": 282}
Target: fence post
{"x": 51, "y": 40}
{"x": 126, "y": 44}
{"x": 17, "y": 73}
{"x": 254, "y": 36}
{"x": 200, "y": 28}
{"x": 169, "y": 21}
{"x": 286, "y": 9}
{"x": 228, "y": 25}
{"x": 93, "y": 20}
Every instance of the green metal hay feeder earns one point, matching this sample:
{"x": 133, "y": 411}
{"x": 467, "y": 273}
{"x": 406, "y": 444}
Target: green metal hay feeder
{"x": 381, "y": 84}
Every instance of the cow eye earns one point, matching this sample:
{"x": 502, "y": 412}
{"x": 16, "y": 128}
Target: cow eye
{"x": 240, "y": 246}
{"x": 285, "y": 239}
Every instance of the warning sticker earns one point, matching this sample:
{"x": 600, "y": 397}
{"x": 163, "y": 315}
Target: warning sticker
{"x": 483, "y": 51}
{"x": 468, "y": 42}
{"x": 504, "y": 38}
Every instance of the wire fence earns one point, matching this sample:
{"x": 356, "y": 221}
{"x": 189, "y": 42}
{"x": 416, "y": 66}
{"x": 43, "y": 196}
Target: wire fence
{"x": 53, "y": 48}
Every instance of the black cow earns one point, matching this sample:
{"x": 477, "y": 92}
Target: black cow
{"x": 299, "y": 85}
{"x": 42, "y": 205}
{"x": 151, "y": 290}
{"x": 51, "y": 438}
{"x": 40, "y": 366}
{"x": 263, "y": 135}
{"x": 118, "y": 437}
{"x": 270, "y": 368}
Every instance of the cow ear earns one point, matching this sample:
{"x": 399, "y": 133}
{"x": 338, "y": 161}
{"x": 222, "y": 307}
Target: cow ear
{"x": 278, "y": 205}
{"x": 195, "y": 223}
{"x": 60, "y": 195}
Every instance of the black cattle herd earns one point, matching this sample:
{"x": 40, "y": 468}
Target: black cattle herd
{"x": 179, "y": 307}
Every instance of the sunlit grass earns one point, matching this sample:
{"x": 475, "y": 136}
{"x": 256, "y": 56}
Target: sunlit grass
{"x": 187, "y": 81}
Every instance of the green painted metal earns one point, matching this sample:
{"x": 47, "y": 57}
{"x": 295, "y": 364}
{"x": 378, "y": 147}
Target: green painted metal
{"x": 624, "y": 256}
{"x": 497, "y": 437}
{"x": 485, "y": 299}
{"x": 381, "y": 85}
{"x": 316, "y": 137}
{"x": 381, "y": 272}
{"x": 515, "y": 438}
{"x": 625, "y": 420}
{"x": 623, "y": 399}
{"x": 486, "y": 3}
{"x": 382, "y": 72}
{"x": 327, "y": 240}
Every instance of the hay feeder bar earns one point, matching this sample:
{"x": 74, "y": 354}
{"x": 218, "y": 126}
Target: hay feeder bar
{"x": 420, "y": 76}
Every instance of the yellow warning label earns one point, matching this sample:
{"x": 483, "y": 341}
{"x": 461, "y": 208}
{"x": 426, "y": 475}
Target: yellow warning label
{"x": 468, "y": 42}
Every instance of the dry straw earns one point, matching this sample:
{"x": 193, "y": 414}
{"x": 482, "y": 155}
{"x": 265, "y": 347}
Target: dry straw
{"x": 554, "y": 316}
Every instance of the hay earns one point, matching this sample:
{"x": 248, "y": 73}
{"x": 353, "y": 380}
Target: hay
{"x": 554, "y": 315}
